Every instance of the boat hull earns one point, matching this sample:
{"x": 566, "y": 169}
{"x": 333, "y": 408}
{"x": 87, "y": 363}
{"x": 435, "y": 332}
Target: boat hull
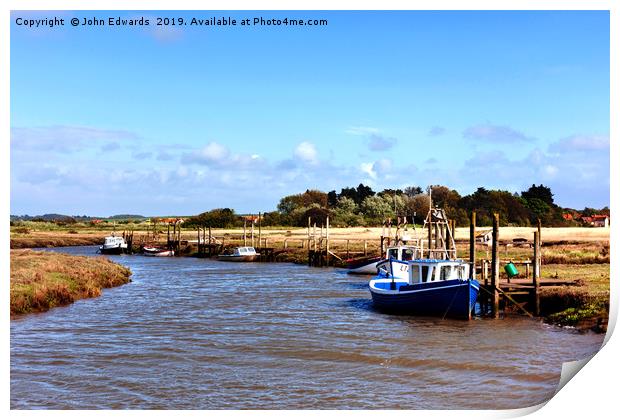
{"x": 164, "y": 253}
{"x": 450, "y": 298}
{"x": 117, "y": 250}
{"x": 394, "y": 268}
{"x": 237, "y": 258}
{"x": 363, "y": 266}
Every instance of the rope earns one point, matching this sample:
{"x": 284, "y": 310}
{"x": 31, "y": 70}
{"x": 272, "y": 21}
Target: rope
{"x": 450, "y": 305}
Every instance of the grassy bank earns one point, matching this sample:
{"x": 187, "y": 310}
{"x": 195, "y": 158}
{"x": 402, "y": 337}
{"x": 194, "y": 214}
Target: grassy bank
{"x": 43, "y": 280}
{"x": 584, "y": 306}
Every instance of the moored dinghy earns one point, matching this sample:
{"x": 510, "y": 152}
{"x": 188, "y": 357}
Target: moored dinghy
{"x": 364, "y": 265}
{"x": 113, "y": 245}
{"x": 239, "y": 254}
{"x": 151, "y": 251}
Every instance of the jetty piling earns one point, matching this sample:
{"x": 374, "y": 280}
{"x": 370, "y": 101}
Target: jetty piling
{"x": 495, "y": 268}
{"x": 472, "y": 244}
{"x": 536, "y": 272}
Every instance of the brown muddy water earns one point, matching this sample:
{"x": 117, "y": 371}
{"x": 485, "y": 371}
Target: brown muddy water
{"x": 192, "y": 333}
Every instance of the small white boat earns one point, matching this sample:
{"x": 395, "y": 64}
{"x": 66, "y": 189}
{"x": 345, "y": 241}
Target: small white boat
{"x": 157, "y": 252}
{"x": 113, "y": 245}
{"x": 371, "y": 265}
{"x": 364, "y": 265}
{"x": 242, "y": 253}
{"x": 396, "y": 261}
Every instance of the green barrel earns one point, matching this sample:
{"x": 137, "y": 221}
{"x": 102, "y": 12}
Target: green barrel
{"x": 510, "y": 269}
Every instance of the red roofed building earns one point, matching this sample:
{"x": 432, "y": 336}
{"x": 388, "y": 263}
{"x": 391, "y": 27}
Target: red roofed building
{"x": 596, "y": 220}
{"x": 600, "y": 220}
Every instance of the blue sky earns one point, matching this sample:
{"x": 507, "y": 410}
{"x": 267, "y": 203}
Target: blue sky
{"x": 157, "y": 120}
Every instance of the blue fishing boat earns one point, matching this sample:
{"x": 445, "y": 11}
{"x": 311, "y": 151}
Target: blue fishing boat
{"x": 433, "y": 287}
{"x": 438, "y": 285}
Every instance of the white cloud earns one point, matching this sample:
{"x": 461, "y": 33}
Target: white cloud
{"x": 361, "y": 131}
{"x": 214, "y": 151}
{"x": 375, "y": 141}
{"x": 369, "y": 169}
{"x": 65, "y": 138}
{"x": 580, "y": 143}
{"x": 496, "y": 134}
{"x": 306, "y": 152}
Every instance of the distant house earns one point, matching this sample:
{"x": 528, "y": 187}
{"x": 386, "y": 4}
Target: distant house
{"x": 600, "y": 220}
{"x": 596, "y": 220}
{"x": 252, "y": 218}
{"x": 567, "y": 216}
{"x": 171, "y": 220}
{"x": 485, "y": 237}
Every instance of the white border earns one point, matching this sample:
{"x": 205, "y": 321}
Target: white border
{"x": 590, "y": 395}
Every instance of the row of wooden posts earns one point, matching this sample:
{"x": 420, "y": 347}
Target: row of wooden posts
{"x": 319, "y": 253}
{"x": 491, "y": 285}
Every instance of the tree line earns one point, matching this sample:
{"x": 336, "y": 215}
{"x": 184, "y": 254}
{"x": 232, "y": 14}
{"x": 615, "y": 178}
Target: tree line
{"x": 361, "y": 206}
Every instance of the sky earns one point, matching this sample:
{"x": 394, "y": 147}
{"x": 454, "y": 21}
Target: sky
{"x": 176, "y": 120}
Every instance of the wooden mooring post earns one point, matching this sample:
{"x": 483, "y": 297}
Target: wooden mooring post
{"x": 259, "y": 229}
{"x": 536, "y": 274}
{"x": 252, "y": 232}
{"x": 495, "y": 268}
{"x": 472, "y": 244}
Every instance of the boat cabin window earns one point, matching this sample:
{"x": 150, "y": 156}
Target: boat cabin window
{"x": 424, "y": 273}
{"x": 241, "y": 250}
{"x": 427, "y": 273}
{"x": 408, "y": 254}
{"x": 393, "y": 253}
{"x": 414, "y": 271}
{"x": 251, "y": 250}
{"x": 446, "y": 272}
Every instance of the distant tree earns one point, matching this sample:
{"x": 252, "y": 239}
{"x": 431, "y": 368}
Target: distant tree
{"x": 391, "y": 192}
{"x": 347, "y": 214}
{"x": 376, "y": 209}
{"x": 416, "y": 208}
{"x": 539, "y": 209}
{"x": 349, "y": 193}
{"x": 539, "y": 192}
{"x": 363, "y": 191}
{"x": 332, "y": 199}
{"x": 314, "y": 197}
{"x": 588, "y": 211}
{"x": 272, "y": 218}
{"x": 444, "y": 197}
{"x": 413, "y": 191}
{"x": 511, "y": 208}
{"x": 289, "y": 203}
{"x": 217, "y": 218}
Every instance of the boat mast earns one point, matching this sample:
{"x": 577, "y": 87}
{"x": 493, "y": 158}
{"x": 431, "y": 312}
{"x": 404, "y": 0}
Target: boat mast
{"x": 429, "y": 220}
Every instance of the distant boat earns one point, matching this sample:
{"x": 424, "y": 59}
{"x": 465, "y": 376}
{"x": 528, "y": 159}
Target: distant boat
{"x": 432, "y": 287}
{"x": 242, "y": 253}
{"x": 113, "y": 245}
{"x": 364, "y": 265}
{"x": 371, "y": 265}
{"x": 157, "y": 252}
